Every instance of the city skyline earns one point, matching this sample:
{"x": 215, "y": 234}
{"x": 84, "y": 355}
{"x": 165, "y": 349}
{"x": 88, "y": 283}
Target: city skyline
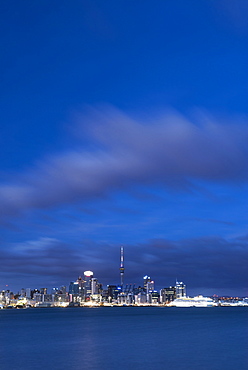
{"x": 122, "y": 283}
{"x": 124, "y": 124}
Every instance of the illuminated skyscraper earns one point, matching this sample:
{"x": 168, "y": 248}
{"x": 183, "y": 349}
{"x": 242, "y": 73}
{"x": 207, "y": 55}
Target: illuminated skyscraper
{"x": 146, "y": 279}
{"x": 81, "y": 283}
{"x": 167, "y": 294}
{"x": 94, "y": 286}
{"x": 74, "y": 288}
{"x": 148, "y": 284}
{"x": 88, "y": 276}
{"x": 180, "y": 289}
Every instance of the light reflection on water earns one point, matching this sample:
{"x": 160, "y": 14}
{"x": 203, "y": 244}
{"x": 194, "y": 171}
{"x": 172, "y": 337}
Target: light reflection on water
{"x": 124, "y": 338}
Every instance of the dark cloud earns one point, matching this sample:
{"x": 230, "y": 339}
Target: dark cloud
{"x": 210, "y": 264}
{"x": 168, "y": 150}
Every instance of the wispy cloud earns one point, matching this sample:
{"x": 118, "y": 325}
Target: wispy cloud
{"x": 169, "y": 150}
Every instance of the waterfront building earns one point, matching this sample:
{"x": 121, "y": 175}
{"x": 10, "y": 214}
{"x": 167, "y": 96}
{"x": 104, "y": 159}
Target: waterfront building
{"x": 74, "y": 292}
{"x": 28, "y": 293}
{"x": 113, "y": 292}
{"x": 62, "y": 289}
{"x": 48, "y": 297}
{"x": 150, "y": 286}
{"x": 94, "y": 286}
{"x": 34, "y": 291}
{"x": 2, "y": 297}
{"x": 167, "y": 294}
{"x": 126, "y": 298}
{"x": 146, "y": 280}
{"x": 61, "y": 298}
{"x": 154, "y": 297}
{"x": 149, "y": 290}
{"x": 23, "y": 292}
{"x": 140, "y": 298}
{"x": 74, "y": 288}
{"x": 81, "y": 284}
{"x": 180, "y": 289}
{"x": 88, "y": 276}
{"x": 137, "y": 290}
{"x": 38, "y": 297}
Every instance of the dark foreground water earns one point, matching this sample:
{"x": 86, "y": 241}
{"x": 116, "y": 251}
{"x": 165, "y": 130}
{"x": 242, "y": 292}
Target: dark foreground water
{"x": 124, "y": 338}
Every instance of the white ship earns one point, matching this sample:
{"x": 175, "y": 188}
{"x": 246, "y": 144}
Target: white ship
{"x": 198, "y": 301}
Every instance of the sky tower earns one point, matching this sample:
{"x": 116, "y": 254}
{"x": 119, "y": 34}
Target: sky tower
{"x": 122, "y": 266}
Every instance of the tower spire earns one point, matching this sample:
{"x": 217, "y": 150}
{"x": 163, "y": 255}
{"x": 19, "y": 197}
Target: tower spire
{"x": 122, "y": 266}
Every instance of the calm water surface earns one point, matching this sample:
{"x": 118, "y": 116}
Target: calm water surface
{"x": 124, "y": 338}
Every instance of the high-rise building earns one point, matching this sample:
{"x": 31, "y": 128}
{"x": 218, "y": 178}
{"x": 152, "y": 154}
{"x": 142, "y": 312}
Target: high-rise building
{"x": 35, "y": 291}
{"x": 88, "y": 276}
{"x": 113, "y": 292}
{"x": 180, "y": 289}
{"x": 74, "y": 288}
{"x": 81, "y": 285}
{"x": 48, "y": 298}
{"x": 141, "y": 298}
{"x": 155, "y": 298}
{"x": 150, "y": 286}
{"x": 62, "y": 289}
{"x": 167, "y": 294}
{"x": 146, "y": 280}
{"x": 94, "y": 286}
{"x": 38, "y": 297}
{"x": 23, "y": 292}
{"x": 28, "y": 292}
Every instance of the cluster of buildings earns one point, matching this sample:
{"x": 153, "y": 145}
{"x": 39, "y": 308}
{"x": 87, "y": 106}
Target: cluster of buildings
{"x": 88, "y": 291}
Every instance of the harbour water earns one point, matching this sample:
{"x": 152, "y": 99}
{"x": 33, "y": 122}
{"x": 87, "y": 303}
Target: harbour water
{"x": 124, "y": 338}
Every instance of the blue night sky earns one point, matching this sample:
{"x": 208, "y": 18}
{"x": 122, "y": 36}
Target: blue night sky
{"x": 124, "y": 123}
